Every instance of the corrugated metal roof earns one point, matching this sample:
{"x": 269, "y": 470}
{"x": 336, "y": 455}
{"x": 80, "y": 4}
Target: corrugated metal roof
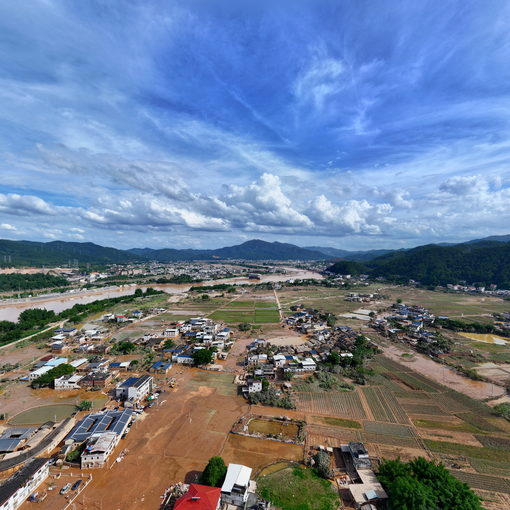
{"x": 237, "y": 474}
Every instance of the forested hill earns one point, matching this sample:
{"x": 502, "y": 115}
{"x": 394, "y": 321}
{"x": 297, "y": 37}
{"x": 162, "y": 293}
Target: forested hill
{"x": 55, "y": 253}
{"x": 483, "y": 262}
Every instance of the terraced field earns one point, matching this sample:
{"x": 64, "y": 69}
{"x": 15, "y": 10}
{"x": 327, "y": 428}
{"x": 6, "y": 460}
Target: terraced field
{"x": 484, "y": 482}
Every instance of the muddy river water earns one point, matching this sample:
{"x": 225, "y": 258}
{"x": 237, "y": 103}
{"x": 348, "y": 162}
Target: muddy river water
{"x": 11, "y": 308}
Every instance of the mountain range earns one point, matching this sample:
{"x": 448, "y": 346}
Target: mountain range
{"x": 482, "y": 260}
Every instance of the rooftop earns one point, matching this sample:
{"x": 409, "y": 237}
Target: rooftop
{"x": 110, "y": 421}
{"x": 20, "y": 478}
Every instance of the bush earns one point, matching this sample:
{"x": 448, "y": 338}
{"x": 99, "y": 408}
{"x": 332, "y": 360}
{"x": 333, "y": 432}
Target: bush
{"x": 84, "y": 405}
{"x": 202, "y": 357}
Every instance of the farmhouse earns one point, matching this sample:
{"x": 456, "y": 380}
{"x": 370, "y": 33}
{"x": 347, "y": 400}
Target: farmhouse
{"x": 199, "y": 497}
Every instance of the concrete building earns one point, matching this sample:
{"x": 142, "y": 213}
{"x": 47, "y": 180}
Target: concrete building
{"x": 235, "y": 488}
{"x": 97, "y": 423}
{"x": 16, "y": 489}
{"x": 68, "y": 382}
{"x": 135, "y": 389}
{"x": 98, "y": 449}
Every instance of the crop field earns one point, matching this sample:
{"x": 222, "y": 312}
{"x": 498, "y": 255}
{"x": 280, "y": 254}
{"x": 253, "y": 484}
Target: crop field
{"x": 406, "y": 442}
{"x": 446, "y": 425}
{"x": 333, "y": 403}
{"x": 389, "y": 429}
{"x": 431, "y": 410}
{"x": 478, "y": 421}
{"x": 485, "y": 482}
{"x": 494, "y": 442}
{"x": 338, "y": 422}
{"x": 491, "y": 467}
{"x": 468, "y": 451}
{"x": 331, "y": 436}
{"x": 384, "y": 405}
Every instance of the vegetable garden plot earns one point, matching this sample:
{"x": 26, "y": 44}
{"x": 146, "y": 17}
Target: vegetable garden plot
{"x": 405, "y": 442}
{"x": 424, "y": 409}
{"x": 484, "y": 482}
{"x": 494, "y": 442}
{"x": 384, "y": 405}
{"x": 333, "y": 403}
{"x": 491, "y": 467}
{"x": 389, "y": 429}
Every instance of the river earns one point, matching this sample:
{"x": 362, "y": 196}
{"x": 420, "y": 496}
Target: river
{"x": 10, "y": 309}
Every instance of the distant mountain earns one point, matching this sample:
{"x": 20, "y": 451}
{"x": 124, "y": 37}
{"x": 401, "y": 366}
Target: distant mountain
{"x": 57, "y": 253}
{"x": 481, "y": 262}
{"x": 359, "y": 256}
{"x": 499, "y": 239}
{"x": 250, "y": 250}
{"x": 331, "y": 252}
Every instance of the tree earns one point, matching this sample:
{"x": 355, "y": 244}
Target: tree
{"x": 138, "y": 293}
{"x": 85, "y": 405}
{"x": 205, "y": 297}
{"x": 202, "y": 357}
{"x": 214, "y": 473}
{"x": 265, "y": 384}
{"x": 168, "y": 344}
{"x": 322, "y": 464}
{"x": 334, "y": 358}
{"x": 503, "y": 410}
{"x": 244, "y": 326}
{"x": 124, "y": 347}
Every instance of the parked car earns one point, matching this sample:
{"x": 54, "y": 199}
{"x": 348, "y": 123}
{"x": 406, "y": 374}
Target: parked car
{"x": 76, "y": 485}
{"x": 65, "y": 488}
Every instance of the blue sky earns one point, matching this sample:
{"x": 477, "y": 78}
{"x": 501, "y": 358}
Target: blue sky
{"x": 355, "y": 124}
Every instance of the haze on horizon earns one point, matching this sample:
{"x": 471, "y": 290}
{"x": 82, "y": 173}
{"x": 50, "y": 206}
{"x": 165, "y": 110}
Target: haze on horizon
{"x": 357, "y": 125}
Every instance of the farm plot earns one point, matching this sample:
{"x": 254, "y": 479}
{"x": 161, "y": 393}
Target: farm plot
{"x": 334, "y": 403}
{"x": 484, "y": 482}
{"x": 494, "y": 442}
{"x": 467, "y": 451}
{"x": 430, "y": 410}
{"x": 406, "y": 442}
{"x": 417, "y": 382}
{"x": 491, "y": 467}
{"x": 478, "y": 421}
{"x": 450, "y": 403}
{"x": 384, "y": 405}
{"x": 329, "y": 436}
{"x": 389, "y": 429}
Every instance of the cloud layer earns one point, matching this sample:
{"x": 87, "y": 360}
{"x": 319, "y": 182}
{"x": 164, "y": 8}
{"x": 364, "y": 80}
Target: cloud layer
{"x": 203, "y": 124}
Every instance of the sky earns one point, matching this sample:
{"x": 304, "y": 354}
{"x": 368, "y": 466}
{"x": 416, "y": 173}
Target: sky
{"x": 355, "y": 124}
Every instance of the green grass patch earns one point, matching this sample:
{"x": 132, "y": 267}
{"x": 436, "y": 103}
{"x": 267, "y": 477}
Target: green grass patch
{"x": 42, "y": 414}
{"x": 500, "y": 443}
{"x": 491, "y": 467}
{"x": 266, "y": 316}
{"x": 298, "y": 489}
{"x": 339, "y": 422}
{"x": 389, "y": 429}
{"x": 445, "y": 425}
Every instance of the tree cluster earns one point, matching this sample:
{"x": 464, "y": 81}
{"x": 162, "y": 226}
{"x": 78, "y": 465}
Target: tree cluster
{"x": 18, "y": 281}
{"x": 270, "y": 397}
{"x": 423, "y": 485}
{"x": 48, "y": 378}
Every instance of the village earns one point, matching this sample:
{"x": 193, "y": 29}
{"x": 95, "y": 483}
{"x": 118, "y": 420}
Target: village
{"x": 308, "y": 388}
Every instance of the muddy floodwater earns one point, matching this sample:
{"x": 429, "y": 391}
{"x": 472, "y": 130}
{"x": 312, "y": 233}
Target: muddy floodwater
{"x": 10, "y": 309}
{"x": 486, "y": 338}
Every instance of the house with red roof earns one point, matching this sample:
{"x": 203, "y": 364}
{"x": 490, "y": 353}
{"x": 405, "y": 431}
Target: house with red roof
{"x": 199, "y": 497}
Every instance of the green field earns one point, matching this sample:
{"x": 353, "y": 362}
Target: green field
{"x": 42, "y": 414}
{"x": 339, "y": 422}
{"x": 446, "y": 425}
{"x": 298, "y": 489}
{"x": 256, "y": 316}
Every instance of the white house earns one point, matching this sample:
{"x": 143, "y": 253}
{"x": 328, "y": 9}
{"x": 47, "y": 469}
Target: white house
{"x": 234, "y": 490}
{"x": 15, "y": 490}
{"x": 37, "y": 373}
{"x": 68, "y": 382}
{"x": 98, "y": 449}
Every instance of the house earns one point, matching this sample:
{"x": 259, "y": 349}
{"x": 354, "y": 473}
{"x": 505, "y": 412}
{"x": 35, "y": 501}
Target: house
{"x": 161, "y": 367}
{"x": 15, "y": 438}
{"x": 252, "y": 386}
{"x": 185, "y": 359}
{"x": 37, "y": 373}
{"x": 97, "y": 423}
{"x": 96, "y": 380}
{"x": 16, "y": 489}
{"x": 97, "y": 450}
{"x": 199, "y": 497}
{"x": 68, "y": 382}
{"x": 279, "y": 360}
{"x": 135, "y": 389}
{"x": 234, "y": 490}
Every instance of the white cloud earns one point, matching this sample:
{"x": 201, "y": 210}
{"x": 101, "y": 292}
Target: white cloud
{"x": 7, "y": 226}
{"x": 22, "y": 205}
